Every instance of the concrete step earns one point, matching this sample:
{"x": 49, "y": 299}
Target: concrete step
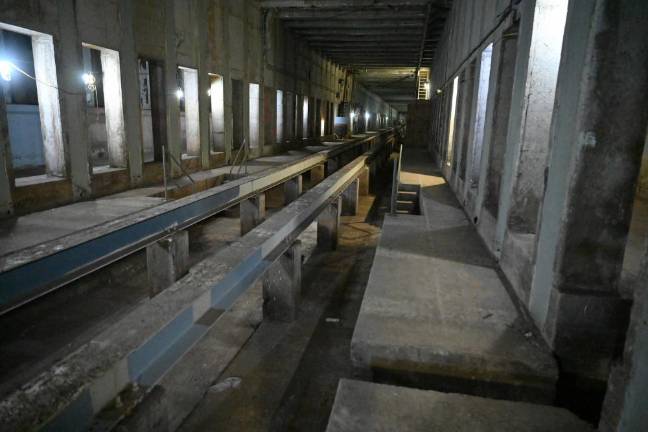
{"x": 407, "y": 196}
{"x": 361, "y": 406}
{"x": 408, "y": 187}
{"x": 407, "y": 206}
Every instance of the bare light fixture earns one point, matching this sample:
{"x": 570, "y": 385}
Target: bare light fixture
{"x": 179, "y": 93}
{"x": 5, "y": 70}
{"x": 89, "y": 80}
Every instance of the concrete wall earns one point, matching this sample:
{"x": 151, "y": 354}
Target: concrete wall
{"x": 25, "y": 136}
{"x": 234, "y": 39}
{"x": 558, "y": 219}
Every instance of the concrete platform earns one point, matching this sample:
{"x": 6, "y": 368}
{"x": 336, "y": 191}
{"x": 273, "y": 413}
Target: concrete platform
{"x": 436, "y": 314}
{"x": 36, "y": 228}
{"x": 361, "y": 406}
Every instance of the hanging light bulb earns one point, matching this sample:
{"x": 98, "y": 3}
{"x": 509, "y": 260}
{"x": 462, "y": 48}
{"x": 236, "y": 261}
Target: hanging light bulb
{"x": 5, "y": 70}
{"x": 89, "y": 80}
{"x": 179, "y": 93}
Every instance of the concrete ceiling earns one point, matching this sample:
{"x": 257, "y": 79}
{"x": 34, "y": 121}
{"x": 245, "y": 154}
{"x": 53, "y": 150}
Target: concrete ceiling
{"x": 381, "y": 41}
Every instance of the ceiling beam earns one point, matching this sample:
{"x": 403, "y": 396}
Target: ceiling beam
{"x": 356, "y": 24}
{"x": 347, "y": 3}
{"x": 338, "y": 38}
{"x": 348, "y": 14}
{"x": 364, "y": 44}
{"x": 414, "y": 33}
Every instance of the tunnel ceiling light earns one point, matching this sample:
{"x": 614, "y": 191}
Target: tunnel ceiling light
{"x": 439, "y": 91}
{"x": 179, "y": 93}
{"x": 5, "y": 70}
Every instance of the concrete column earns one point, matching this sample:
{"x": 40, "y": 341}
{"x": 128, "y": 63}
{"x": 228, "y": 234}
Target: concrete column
{"x": 114, "y": 108}
{"x": 332, "y": 165}
{"x": 373, "y": 174}
{"x": 6, "y": 170}
{"x": 203, "y": 58}
{"x": 173, "y": 139}
{"x": 317, "y": 174}
{"x": 73, "y": 114}
{"x": 598, "y": 131}
{"x": 252, "y": 212}
{"x": 130, "y": 92}
{"x": 167, "y": 260}
{"x": 225, "y": 24}
{"x": 292, "y": 189}
{"x": 328, "y": 225}
{"x": 282, "y": 285}
{"x": 49, "y": 105}
{"x": 364, "y": 181}
{"x": 350, "y": 199}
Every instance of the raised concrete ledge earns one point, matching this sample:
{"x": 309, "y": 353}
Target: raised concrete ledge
{"x": 33, "y": 271}
{"x": 436, "y": 314}
{"x": 361, "y": 406}
{"x": 142, "y": 346}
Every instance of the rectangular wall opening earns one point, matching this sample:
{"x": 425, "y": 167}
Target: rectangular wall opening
{"x": 466, "y": 115}
{"x": 452, "y": 121}
{"x": 217, "y": 113}
{"x": 534, "y": 129}
{"x": 280, "y": 116}
{"x": 319, "y": 120}
{"x": 480, "y": 115}
{"x": 104, "y": 105}
{"x": 33, "y": 111}
{"x": 638, "y": 233}
{"x": 305, "y": 118}
{"x": 254, "y": 115}
{"x": 189, "y": 114}
{"x": 237, "y": 113}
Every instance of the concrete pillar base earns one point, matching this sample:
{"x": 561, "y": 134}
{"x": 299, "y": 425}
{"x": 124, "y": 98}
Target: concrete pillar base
{"x": 364, "y": 182}
{"x": 317, "y": 174}
{"x": 293, "y": 189}
{"x": 351, "y": 198}
{"x": 282, "y": 286}
{"x": 331, "y": 166}
{"x": 167, "y": 260}
{"x": 328, "y": 225}
{"x": 252, "y": 212}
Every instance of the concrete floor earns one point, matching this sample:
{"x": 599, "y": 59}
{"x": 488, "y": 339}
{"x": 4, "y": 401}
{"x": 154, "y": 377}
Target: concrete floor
{"x": 361, "y": 406}
{"x": 36, "y": 228}
{"x": 285, "y": 377}
{"x": 436, "y": 313}
{"x": 33, "y": 229}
